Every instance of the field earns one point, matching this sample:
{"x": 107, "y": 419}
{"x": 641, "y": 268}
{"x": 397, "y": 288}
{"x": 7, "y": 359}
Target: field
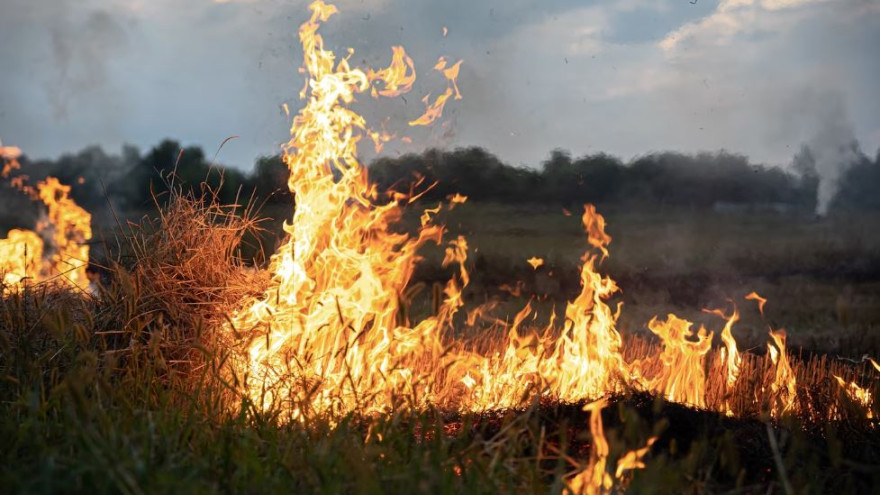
{"x": 122, "y": 392}
{"x": 821, "y": 276}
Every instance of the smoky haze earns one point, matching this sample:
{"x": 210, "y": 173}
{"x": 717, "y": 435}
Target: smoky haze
{"x": 760, "y": 77}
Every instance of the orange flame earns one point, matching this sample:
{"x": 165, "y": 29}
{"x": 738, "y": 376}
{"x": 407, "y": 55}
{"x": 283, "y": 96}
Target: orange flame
{"x": 783, "y": 387}
{"x": 682, "y": 378}
{"x": 398, "y": 78}
{"x": 595, "y": 478}
{"x": 455, "y": 200}
{"x": 857, "y": 394}
{"x": 9, "y": 155}
{"x": 332, "y": 318}
{"x": 729, "y": 353}
{"x": 20, "y": 255}
{"x": 761, "y": 301}
{"x": 67, "y": 226}
{"x": 434, "y": 110}
{"x": 333, "y": 335}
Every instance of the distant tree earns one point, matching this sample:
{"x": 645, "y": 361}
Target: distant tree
{"x": 859, "y": 186}
{"x": 168, "y": 164}
{"x": 590, "y": 179}
{"x": 658, "y": 179}
{"x": 559, "y": 177}
{"x": 91, "y": 172}
{"x": 269, "y": 179}
{"x": 473, "y": 172}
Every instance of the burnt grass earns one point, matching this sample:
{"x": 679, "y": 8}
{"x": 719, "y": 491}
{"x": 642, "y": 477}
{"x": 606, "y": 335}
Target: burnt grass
{"x": 701, "y": 450}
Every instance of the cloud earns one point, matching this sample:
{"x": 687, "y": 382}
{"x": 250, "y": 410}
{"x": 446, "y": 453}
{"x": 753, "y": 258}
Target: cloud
{"x": 626, "y": 76}
{"x": 735, "y": 18}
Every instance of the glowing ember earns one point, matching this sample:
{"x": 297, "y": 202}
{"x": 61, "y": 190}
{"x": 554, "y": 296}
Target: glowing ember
{"x": 857, "y": 394}
{"x": 457, "y": 199}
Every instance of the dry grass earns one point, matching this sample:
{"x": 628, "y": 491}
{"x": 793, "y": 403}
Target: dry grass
{"x": 122, "y": 392}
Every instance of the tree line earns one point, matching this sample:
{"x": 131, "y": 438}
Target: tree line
{"x": 131, "y": 179}
{"x": 701, "y": 180}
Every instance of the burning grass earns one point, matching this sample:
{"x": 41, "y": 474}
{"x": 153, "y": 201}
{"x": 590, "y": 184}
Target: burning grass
{"x": 185, "y": 364}
{"x": 125, "y": 390}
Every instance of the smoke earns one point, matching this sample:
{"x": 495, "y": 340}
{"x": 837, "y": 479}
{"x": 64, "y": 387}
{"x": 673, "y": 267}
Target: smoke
{"x": 81, "y": 52}
{"x": 833, "y": 148}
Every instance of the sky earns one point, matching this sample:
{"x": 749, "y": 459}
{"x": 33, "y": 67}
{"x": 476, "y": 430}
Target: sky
{"x": 628, "y": 77}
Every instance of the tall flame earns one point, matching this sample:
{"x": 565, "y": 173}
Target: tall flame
{"x": 783, "y": 385}
{"x": 729, "y": 353}
{"x": 69, "y": 227}
{"x": 333, "y": 335}
{"x": 328, "y": 335}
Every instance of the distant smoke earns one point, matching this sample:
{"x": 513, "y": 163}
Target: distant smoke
{"x": 81, "y": 51}
{"x": 833, "y": 147}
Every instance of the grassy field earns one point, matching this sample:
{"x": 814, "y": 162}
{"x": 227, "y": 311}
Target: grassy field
{"x": 121, "y": 393}
{"x": 821, "y": 276}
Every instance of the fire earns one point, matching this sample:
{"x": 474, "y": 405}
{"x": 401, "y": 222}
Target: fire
{"x": 20, "y": 255}
{"x": 857, "y": 394}
{"x": 457, "y": 199}
{"x": 682, "y": 376}
{"x": 398, "y": 78}
{"x": 783, "y": 385}
{"x": 595, "y": 478}
{"x": 535, "y": 262}
{"x": 9, "y": 157}
{"x": 333, "y": 333}
{"x": 583, "y": 361}
{"x": 67, "y": 226}
{"x": 330, "y": 334}
{"x": 434, "y": 111}
{"x": 753, "y": 296}
{"x": 729, "y": 353}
